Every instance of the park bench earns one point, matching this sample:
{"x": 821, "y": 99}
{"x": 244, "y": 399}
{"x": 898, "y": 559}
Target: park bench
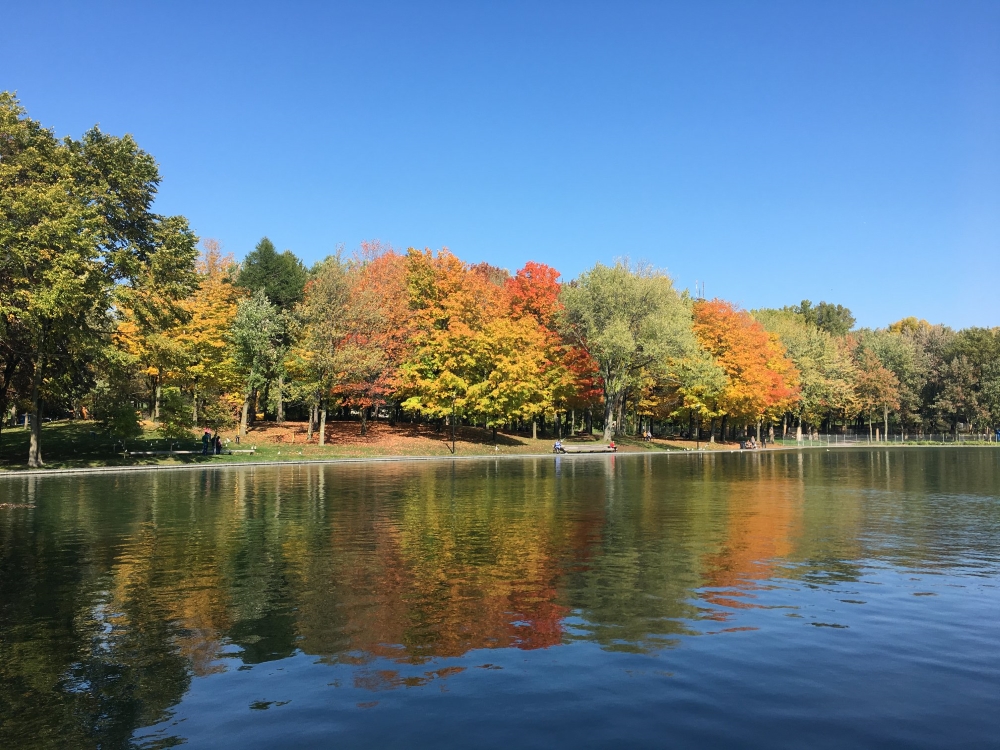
{"x": 597, "y": 448}
{"x": 188, "y": 453}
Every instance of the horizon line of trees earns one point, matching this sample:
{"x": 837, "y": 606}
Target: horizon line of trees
{"x": 110, "y": 311}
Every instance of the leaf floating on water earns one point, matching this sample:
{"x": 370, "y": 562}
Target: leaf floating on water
{"x": 924, "y": 593}
{"x": 828, "y": 625}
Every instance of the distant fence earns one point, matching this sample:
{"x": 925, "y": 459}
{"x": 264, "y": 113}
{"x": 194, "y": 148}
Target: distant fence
{"x": 940, "y": 438}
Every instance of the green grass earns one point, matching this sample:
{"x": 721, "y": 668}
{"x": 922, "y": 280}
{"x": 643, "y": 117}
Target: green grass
{"x": 81, "y": 444}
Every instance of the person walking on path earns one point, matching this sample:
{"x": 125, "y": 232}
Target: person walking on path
{"x": 205, "y": 439}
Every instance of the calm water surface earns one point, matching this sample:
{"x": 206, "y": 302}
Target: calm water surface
{"x": 821, "y": 599}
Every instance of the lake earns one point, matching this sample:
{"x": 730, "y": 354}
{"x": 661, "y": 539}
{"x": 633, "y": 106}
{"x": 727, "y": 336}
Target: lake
{"x": 816, "y": 599}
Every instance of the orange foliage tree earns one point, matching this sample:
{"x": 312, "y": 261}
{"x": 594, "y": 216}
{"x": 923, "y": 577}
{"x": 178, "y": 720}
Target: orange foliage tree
{"x": 376, "y": 325}
{"x": 472, "y": 357}
{"x": 761, "y": 382}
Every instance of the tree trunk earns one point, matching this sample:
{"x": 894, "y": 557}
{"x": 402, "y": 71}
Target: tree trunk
{"x": 364, "y": 421}
{"x": 157, "y": 395}
{"x": 35, "y": 445}
{"x": 589, "y": 419}
{"x": 312, "y": 423}
{"x": 885, "y": 417}
{"x": 279, "y": 415}
{"x": 572, "y": 422}
{"x": 758, "y": 431}
{"x": 558, "y": 421}
{"x": 452, "y": 421}
{"x": 252, "y": 416}
{"x": 798, "y": 430}
{"x": 245, "y": 416}
{"x": 267, "y": 398}
{"x": 534, "y": 429}
{"x": 322, "y": 425}
{"x": 612, "y": 406}
{"x": 194, "y": 409}
{"x": 722, "y": 428}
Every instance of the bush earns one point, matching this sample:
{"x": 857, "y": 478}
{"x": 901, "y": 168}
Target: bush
{"x": 176, "y": 418}
{"x": 116, "y": 415}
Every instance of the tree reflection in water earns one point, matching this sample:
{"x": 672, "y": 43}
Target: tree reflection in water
{"x": 117, "y": 591}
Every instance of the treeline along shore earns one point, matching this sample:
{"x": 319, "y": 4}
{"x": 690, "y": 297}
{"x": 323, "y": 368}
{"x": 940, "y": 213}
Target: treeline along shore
{"x": 112, "y": 313}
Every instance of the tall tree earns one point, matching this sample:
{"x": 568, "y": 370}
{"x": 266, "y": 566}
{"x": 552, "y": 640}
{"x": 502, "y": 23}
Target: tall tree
{"x": 282, "y": 277}
{"x": 877, "y": 387}
{"x": 78, "y": 234}
{"x": 256, "y": 335}
{"x": 319, "y": 324}
{"x": 630, "y": 320}
{"x": 761, "y": 380}
{"x": 827, "y": 373}
{"x": 374, "y": 330}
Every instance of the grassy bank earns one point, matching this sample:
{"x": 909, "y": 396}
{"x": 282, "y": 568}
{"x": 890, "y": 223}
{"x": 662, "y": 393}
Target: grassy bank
{"x": 81, "y": 444}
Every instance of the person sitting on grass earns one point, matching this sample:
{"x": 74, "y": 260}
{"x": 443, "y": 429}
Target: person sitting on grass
{"x": 558, "y": 447}
{"x": 612, "y": 446}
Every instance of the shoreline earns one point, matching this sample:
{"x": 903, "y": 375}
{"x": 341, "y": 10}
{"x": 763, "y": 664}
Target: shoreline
{"x": 20, "y": 473}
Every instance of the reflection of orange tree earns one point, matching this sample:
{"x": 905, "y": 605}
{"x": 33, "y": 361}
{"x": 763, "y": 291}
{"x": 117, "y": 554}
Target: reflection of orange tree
{"x": 419, "y": 578}
{"x": 763, "y": 521}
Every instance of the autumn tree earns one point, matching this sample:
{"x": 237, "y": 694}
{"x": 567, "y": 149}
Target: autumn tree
{"x": 877, "y": 388}
{"x": 374, "y": 329}
{"x": 319, "y": 329}
{"x": 470, "y": 357}
{"x": 761, "y": 381}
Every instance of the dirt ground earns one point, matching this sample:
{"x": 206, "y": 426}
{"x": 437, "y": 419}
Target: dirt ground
{"x": 412, "y": 439}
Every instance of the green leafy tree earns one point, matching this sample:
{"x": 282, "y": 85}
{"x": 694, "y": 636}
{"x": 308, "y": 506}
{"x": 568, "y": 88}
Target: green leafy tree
{"x": 834, "y": 319}
{"x": 78, "y": 236}
{"x": 827, "y": 374}
{"x": 631, "y": 321}
{"x": 256, "y": 336}
{"x": 281, "y": 276}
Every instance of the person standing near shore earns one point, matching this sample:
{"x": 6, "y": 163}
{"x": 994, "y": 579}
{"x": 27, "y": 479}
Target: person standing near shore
{"x": 205, "y": 439}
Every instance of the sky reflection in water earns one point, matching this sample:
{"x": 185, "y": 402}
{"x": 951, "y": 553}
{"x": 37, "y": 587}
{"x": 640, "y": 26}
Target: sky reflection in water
{"x": 768, "y": 600}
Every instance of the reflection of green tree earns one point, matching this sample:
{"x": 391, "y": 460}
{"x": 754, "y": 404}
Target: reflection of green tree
{"x": 638, "y": 592}
{"x": 76, "y": 669}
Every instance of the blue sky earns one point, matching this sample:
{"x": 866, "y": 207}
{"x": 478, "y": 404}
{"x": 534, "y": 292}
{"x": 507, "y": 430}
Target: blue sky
{"x": 843, "y": 151}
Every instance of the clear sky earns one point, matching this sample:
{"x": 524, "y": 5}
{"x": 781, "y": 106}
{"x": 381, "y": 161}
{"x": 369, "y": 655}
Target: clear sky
{"x": 843, "y": 151}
